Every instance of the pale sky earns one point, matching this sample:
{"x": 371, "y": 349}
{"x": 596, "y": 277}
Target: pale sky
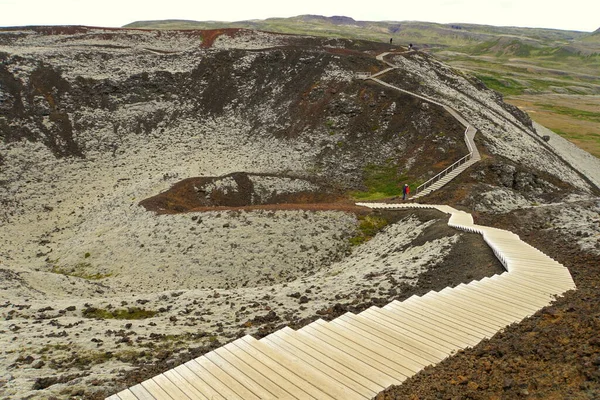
{"x": 580, "y": 15}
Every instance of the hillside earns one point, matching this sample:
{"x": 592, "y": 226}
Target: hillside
{"x": 164, "y": 192}
{"x": 517, "y": 62}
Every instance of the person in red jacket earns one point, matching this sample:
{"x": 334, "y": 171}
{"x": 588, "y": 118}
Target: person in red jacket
{"x": 405, "y": 191}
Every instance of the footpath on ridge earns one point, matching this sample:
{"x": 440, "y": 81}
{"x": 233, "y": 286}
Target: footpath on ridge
{"x": 457, "y": 167}
{"x": 356, "y": 356}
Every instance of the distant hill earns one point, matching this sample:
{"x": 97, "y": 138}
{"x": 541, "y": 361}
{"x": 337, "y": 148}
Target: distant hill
{"x": 426, "y": 34}
{"x": 481, "y": 49}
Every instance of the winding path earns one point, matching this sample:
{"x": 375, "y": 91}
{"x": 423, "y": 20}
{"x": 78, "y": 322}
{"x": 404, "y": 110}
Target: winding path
{"x": 355, "y": 356}
{"x": 457, "y": 167}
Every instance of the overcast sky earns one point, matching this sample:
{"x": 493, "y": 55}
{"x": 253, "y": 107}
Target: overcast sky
{"x": 580, "y": 15}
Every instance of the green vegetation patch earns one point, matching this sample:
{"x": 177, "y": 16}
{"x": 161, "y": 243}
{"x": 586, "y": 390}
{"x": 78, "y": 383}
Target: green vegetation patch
{"x": 505, "y": 86}
{"x": 368, "y": 227}
{"x": 382, "y": 181}
{"x": 79, "y": 270}
{"x": 572, "y": 112}
{"x": 129, "y": 313}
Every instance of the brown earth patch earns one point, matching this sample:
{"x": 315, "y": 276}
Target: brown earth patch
{"x": 210, "y": 35}
{"x": 195, "y": 194}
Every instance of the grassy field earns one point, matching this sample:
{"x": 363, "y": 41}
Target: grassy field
{"x": 576, "y": 118}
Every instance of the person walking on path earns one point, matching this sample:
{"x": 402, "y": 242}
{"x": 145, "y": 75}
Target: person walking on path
{"x": 405, "y": 191}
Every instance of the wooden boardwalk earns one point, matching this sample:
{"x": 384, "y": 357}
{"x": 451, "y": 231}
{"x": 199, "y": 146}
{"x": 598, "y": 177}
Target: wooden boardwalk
{"x": 356, "y": 356}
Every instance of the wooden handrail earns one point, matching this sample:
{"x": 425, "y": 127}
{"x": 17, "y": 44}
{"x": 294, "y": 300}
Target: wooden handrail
{"x": 451, "y": 167}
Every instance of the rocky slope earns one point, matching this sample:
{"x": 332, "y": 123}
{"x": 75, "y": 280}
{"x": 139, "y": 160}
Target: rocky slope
{"x": 98, "y": 291}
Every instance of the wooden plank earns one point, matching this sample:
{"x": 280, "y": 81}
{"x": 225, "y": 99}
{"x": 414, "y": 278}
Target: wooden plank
{"x": 496, "y": 295}
{"x": 477, "y": 298}
{"x": 371, "y": 359}
{"x": 366, "y": 333}
{"x": 523, "y": 298}
{"x": 170, "y": 388}
{"x": 156, "y": 390}
{"x": 487, "y": 297}
{"x": 436, "y": 334}
{"x": 338, "y": 355}
{"x": 440, "y": 329}
{"x": 467, "y": 317}
{"x": 332, "y": 388}
{"x": 184, "y": 385}
{"x": 521, "y": 291}
{"x": 197, "y": 382}
{"x": 549, "y": 271}
{"x": 266, "y": 380}
{"x": 423, "y": 313}
{"x": 376, "y": 316}
{"x": 123, "y": 395}
{"x": 205, "y": 382}
{"x": 339, "y": 375}
{"x": 545, "y": 287}
{"x": 443, "y": 315}
{"x": 498, "y": 315}
{"x": 240, "y": 390}
{"x": 493, "y": 317}
{"x": 293, "y": 391}
{"x": 231, "y": 370}
{"x": 141, "y": 393}
{"x": 299, "y": 378}
{"x": 386, "y": 359}
{"x": 361, "y": 323}
{"x": 292, "y": 342}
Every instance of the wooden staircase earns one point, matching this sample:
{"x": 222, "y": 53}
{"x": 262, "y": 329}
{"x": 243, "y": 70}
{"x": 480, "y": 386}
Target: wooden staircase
{"x": 356, "y": 356}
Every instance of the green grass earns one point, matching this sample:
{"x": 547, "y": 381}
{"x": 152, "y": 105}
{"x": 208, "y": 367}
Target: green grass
{"x": 368, "y": 227}
{"x": 505, "y": 86}
{"x": 572, "y": 112}
{"x": 129, "y": 313}
{"x": 80, "y": 270}
{"x": 590, "y": 142}
{"x": 382, "y": 181}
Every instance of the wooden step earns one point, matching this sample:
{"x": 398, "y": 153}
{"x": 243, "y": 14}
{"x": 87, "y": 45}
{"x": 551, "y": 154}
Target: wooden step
{"x": 374, "y": 360}
{"x": 497, "y": 311}
{"x": 294, "y": 370}
{"x": 270, "y": 375}
{"x": 402, "y": 366}
{"x": 413, "y": 328}
{"x": 412, "y": 357}
{"x": 363, "y": 325}
{"x": 460, "y": 336}
{"x": 368, "y": 383}
{"x": 350, "y": 359}
{"x": 440, "y": 314}
{"x": 507, "y": 295}
{"x": 353, "y": 389}
{"x": 458, "y": 313}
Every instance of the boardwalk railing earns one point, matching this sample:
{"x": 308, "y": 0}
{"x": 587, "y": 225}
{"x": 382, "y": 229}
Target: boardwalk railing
{"x": 451, "y": 167}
